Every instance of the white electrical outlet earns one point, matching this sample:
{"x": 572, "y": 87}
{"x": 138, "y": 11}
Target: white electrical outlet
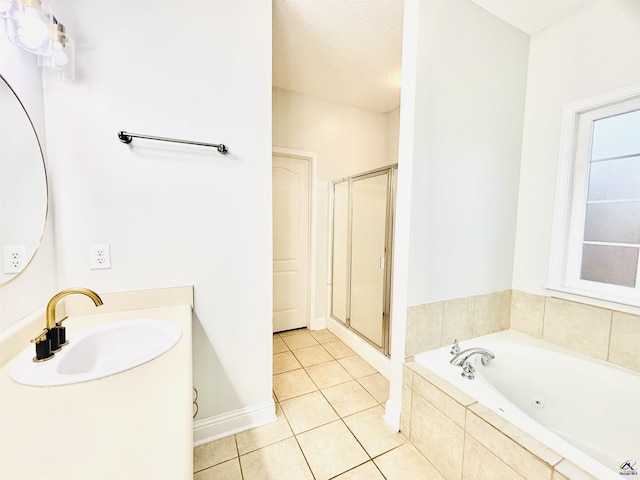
{"x": 15, "y": 258}
{"x": 100, "y": 256}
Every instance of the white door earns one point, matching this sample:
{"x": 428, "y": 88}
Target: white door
{"x": 291, "y": 218}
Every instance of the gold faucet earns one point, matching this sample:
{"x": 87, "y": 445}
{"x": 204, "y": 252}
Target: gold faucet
{"x": 54, "y": 336}
{"x": 51, "y": 306}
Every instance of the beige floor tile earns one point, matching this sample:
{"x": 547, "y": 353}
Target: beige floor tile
{"x": 406, "y": 463}
{"x": 331, "y": 450}
{"x": 312, "y": 355}
{"x": 308, "y": 411}
{"x": 338, "y": 349}
{"x": 278, "y": 345}
{"x": 356, "y": 366}
{"x": 368, "y": 471}
{"x": 349, "y": 398}
{"x": 377, "y": 386}
{"x": 373, "y": 433}
{"x": 260, "y": 437}
{"x": 229, "y": 470}
{"x": 299, "y": 340}
{"x": 328, "y": 374}
{"x": 323, "y": 336}
{"x": 292, "y": 384}
{"x": 213, "y": 453}
{"x": 285, "y": 362}
{"x": 280, "y": 461}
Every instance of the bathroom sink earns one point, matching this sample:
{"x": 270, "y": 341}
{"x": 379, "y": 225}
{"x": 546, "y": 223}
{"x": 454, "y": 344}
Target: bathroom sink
{"x": 98, "y": 351}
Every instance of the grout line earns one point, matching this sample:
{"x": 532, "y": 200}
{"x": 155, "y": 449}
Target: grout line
{"x": 305, "y": 457}
{"x": 610, "y": 335}
{"x": 295, "y": 437}
{"x": 544, "y": 316}
{"x": 352, "y": 468}
{"x": 473, "y": 318}
{"x": 235, "y": 437}
{"x": 441, "y": 324}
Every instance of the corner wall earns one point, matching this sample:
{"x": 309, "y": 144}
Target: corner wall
{"x": 471, "y": 82}
{"x": 460, "y": 140}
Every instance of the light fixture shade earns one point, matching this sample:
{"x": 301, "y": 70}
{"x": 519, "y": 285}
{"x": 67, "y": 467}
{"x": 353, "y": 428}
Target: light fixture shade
{"x": 59, "y": 60}
{"x": 10, "y": 8}
{"x": 29, "y": 27}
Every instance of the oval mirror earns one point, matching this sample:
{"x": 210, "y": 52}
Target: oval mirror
{"x": 23, "y": 186}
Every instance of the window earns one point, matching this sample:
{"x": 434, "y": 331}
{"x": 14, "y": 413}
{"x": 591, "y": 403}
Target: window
{"x": 596, "y": 238}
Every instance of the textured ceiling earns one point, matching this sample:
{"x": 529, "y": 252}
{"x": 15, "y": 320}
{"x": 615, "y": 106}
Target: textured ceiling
{"x": 346, "y": 50}
{"x": 341, "y": 50}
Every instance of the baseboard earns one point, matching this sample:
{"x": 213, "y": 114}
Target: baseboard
{"x": 392, "y": 414}
{"x": 318, "y": 324}
{"x": 372, "y": 356}
{"x": 220, "y": 426}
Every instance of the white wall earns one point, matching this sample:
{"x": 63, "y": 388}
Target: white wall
{"x": 471, "y": 76}
{"x": 347, "y": 139}
{"x": 591, "y": 52}
{"x": 173, "y": 215}
{"x": 34, "y": 286}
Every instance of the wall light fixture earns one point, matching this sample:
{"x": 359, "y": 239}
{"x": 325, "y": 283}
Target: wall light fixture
{"x": 7, "y": 6}
{"x": 30, "y": 25}
{"x": 60, "y": 58}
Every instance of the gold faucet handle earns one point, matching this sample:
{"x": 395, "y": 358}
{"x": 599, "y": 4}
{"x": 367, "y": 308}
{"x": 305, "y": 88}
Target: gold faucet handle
{"x": 59, "y": 322}
{"x": 42, "y": 336}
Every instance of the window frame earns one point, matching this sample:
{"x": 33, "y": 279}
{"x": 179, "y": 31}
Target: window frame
{"x": 570, "y": 201}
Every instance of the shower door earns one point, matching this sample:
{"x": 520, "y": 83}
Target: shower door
{"x": 362, "y": 235}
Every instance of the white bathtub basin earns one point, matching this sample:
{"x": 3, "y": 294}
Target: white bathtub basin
{"x": 582, "y": 408}
{"x": 97, "y": 352}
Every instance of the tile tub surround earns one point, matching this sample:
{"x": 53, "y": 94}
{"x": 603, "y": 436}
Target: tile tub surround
{"x": 433, "y": 325}
{"x": 602, "y": 333}
{"x": 466, "y": 441}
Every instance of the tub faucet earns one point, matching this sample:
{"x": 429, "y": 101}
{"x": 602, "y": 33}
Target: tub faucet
{"x": 54, "y": 336}
{"x": 462, "y": 360}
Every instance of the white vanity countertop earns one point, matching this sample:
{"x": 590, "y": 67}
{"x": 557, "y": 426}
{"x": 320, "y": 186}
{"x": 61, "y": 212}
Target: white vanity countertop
{"x": 133, "y": 425}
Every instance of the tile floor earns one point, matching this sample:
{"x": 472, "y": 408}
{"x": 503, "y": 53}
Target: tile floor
{"x": 329, "y": 404}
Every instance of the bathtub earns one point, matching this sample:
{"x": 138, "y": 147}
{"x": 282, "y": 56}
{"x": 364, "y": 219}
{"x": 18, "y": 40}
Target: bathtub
{"x": 584, "y": 409}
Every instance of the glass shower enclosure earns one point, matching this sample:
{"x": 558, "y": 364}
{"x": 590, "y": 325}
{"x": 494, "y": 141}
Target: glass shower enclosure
{"x": 362, "y": 235}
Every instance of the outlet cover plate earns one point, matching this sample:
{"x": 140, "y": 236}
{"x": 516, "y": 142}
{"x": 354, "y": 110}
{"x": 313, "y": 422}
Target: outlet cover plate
{"x": 99, "y": 256}
{"x": 15, "y": 258}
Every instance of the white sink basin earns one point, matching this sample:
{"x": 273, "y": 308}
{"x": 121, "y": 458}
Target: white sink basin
{"x": 97, "y": 352}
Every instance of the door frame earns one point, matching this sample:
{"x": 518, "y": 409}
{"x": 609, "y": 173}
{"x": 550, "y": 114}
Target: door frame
{"x": 312, "y": 159}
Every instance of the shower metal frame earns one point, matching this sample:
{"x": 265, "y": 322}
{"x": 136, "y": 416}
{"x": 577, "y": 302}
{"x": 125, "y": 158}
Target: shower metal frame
{"x": 391, "y": 171}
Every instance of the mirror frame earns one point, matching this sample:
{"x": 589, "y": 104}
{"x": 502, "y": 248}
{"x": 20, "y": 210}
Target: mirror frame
{"x": 46, "y": 186}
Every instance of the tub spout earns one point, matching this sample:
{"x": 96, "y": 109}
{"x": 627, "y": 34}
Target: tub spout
{"x": 463, "y": 357}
